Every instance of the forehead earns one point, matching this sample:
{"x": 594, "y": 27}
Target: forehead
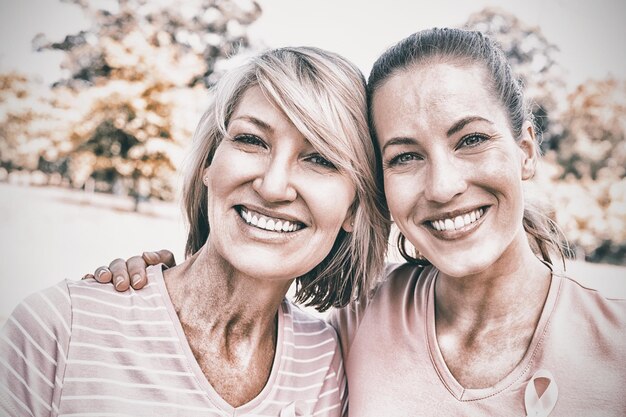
{"x": 254, "y": 102}
{"x": 433, "y": 96}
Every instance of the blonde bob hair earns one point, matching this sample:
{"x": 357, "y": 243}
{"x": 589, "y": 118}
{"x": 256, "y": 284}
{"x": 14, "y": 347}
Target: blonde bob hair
{"x": 323, "y": 95}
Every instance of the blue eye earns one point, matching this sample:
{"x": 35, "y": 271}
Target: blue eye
{"x": 473, "y": 139}
{"x": 249, "y": 140}
{"x": 404, "y": 158}
{"x": 320, "y": 160}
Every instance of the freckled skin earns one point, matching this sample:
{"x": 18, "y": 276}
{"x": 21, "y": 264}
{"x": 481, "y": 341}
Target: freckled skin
{"x": 277, "y": 176}
{"x": 227, "y": 295}
{"x": 487, "y": 304}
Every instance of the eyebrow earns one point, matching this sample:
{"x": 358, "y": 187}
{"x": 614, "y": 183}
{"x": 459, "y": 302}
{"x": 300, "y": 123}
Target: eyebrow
{"x": 464, "y": 122}
{"x": 456, "y": 127}
{"x": 398, "y": 141}
{"x": 257, "y": 122}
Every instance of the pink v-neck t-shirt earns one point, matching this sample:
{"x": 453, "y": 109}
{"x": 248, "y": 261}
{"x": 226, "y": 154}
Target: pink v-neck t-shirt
{"x": 81, "y": 348}
{"x": 395, "y": 368}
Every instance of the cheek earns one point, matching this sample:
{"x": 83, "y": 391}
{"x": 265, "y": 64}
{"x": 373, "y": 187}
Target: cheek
{"x": 329, "y": 200}
{"x": 400, "y": 192}
{"x": 501, "y": 171}
{"x": 231, "y": 168}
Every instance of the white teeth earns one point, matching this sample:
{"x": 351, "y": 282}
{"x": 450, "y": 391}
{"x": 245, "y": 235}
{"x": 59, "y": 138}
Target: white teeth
{"x": 267, "y": 223}
{"x": 458, "y": 222}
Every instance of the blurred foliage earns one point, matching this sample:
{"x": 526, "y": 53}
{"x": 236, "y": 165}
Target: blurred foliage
{"x": 136, "y": 87}
{"x": 593, "y": 144}
{"x": 29, "y": 123}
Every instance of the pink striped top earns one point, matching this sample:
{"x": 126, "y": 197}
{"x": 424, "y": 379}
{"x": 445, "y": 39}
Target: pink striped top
{"x": 81, "y": 348}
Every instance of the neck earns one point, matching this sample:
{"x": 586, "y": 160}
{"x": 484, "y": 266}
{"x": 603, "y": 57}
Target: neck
{"x": 514, "y": 288}
{"x": 213, "y": 300}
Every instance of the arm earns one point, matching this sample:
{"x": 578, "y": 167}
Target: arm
{"x": 132, "y": 272}
{"x": 34, "y": 343}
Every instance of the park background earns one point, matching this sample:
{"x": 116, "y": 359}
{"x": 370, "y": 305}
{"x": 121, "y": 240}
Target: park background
{"x": 99, "y": 99}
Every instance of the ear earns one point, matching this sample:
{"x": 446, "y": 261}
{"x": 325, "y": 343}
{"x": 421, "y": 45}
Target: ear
{"x": 528, "y": 145}
{"x": 348, "y": 223}
{"x": 205, "y": 176}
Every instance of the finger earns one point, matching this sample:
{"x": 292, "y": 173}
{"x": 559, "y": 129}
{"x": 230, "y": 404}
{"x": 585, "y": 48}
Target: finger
{"x": 103, "y": 275}
{"x": 167, "y": 258}
{"x": 163, "y": 256}
{"x": 87, "y": 276}
{"x": 121, "y": 281}
{"x": 137, "y": 271}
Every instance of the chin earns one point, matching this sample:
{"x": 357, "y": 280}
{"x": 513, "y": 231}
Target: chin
{"x": 462, "y": 270}
{"x": 269, "y": 269}
{"x": 462, "y": 266}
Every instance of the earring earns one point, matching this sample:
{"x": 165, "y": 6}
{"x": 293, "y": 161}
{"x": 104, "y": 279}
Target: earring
{"x": 418, "y": 260}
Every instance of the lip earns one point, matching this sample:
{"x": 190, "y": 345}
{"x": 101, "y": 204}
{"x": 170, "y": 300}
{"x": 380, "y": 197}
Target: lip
{"x": 458, "y": 233}
{"x": 453, "y": 213}
{"x": 271, "y": 213}
{"x": 263, "y": 235}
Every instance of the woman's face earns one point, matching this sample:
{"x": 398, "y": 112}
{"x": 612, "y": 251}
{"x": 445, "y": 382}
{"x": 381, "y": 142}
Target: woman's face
{"x": 452, "y": 169}
{"x": 275, "y": 205}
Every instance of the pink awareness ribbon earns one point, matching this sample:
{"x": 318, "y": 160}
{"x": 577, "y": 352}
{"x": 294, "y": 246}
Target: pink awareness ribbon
{"x": 537, "y": 406}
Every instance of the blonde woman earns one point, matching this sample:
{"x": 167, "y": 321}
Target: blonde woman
{"x": 280, "y": 187}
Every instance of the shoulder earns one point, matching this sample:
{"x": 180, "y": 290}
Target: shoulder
{"x": 34, "y": 344}
{"x": 91, "y": 294}
{"x": 310, "y": 339}
{"x": 307, "y": 329}
{"x": 589, "y": 302}
{"x": 399, "y": 279}
{"x": 401, "y": 282}
{"x": 46, "y": 313}
{"x": 400, "y": 276}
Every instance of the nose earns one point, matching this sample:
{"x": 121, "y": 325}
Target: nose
{"x": 274, "y": 184}
{"x": 445, "y": 179}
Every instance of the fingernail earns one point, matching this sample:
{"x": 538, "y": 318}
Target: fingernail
{"x": 118, "y": 280}
{"x": 152, "y": 257}
{"x": 100, "y": 272}
{"x": 136, "y": 279}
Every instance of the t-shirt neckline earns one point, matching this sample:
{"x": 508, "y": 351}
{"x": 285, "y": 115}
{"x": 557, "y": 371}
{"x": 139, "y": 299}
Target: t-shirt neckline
{"x": 471, "y": 394}
{"x": 155, "y": 273}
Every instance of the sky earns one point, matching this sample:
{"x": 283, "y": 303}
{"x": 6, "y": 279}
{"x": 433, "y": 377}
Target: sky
{"x": 589, "y": 34}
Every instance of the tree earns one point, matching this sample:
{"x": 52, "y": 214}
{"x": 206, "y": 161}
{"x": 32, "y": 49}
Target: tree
{"x": 26, "y": 118}
{"x": 137, "y": 84}
{"x": 534, "y": 60}
{"x": 594, "y": 140}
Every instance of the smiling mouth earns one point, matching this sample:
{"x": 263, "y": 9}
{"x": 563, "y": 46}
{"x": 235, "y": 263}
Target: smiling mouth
{"x": 271, "y": 224}
{"x": 457, "y": 222}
